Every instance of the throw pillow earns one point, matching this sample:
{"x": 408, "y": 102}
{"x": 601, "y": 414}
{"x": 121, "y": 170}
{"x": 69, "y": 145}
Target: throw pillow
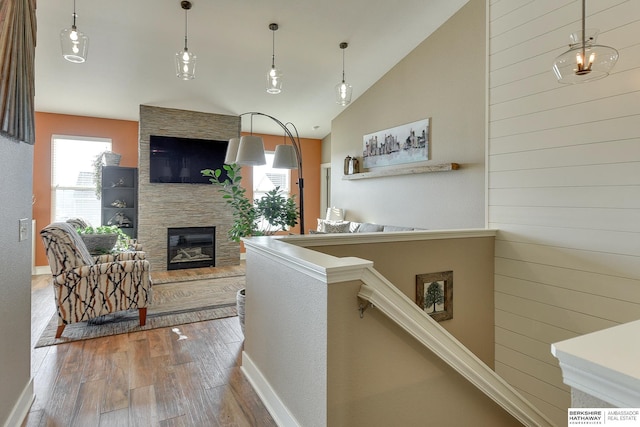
{"x": 367, "y": 227}
{"x": 326, "y": 226}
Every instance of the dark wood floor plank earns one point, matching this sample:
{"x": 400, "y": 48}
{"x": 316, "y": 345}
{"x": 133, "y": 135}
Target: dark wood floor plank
{"x": 170, "y": 400}
{"x": 159, "y": 342}
{"x": 226, "y": 407}
{"x": 87, "y": 408}
{"x": 140, "y": 374}
{"x": 200, "y": 409}
{"x": 61, "y": 402}
{"x": 95, "y": 360}
{"x": 119, "y": 418}
{"x": 181, "y": 421}
{"x": 142, "y": 407}
{"x": 117, "y": 394}
{"x": 251, "y": 404}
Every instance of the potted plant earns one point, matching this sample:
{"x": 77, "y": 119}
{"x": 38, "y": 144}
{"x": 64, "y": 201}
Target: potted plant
{"x": 103, "y": 239}
{"x": 271, "y": 213}
{"x": 106, "y": 158}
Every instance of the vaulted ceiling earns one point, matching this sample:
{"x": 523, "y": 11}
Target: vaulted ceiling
{"x": 132, "y": 44}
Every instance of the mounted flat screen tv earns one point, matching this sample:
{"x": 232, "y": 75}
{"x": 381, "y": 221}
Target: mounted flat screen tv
{"x": 180, "y": 160}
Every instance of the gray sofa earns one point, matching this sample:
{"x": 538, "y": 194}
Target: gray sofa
{"x": 328, "y": 226}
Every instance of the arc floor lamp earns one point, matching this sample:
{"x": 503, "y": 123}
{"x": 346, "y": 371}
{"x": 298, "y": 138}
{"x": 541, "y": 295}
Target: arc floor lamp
{"x": 248, "y": 150}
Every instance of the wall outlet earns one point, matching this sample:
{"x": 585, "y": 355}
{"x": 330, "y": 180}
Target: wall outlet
{"x": 23, "y": 229}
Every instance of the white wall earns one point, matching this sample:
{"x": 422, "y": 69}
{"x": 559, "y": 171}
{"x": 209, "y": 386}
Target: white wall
{"x": 16, "y": 160}
{"x": 430, "y": 82}
{"x": 564, "y": 187}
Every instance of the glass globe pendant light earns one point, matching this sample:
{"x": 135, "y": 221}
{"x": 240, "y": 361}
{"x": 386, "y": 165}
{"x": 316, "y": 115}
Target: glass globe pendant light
{"x": 343, "y": 89}
{"x": 74, "y": 44}
{"x": 185, "y": 60}
{"x": 585, "y": 60}
{"x": 274, "y": 75}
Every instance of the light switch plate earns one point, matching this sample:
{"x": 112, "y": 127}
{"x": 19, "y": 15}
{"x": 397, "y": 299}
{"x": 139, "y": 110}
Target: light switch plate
{"x": 23, "y": 229}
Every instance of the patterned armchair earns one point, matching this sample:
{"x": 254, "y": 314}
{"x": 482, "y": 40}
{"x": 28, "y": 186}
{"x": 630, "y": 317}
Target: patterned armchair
{"x": 86, "y": 287}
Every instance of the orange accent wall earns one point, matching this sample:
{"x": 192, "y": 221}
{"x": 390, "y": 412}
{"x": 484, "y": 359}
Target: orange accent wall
{"x": 124, "y": 137}
{"x": 311, "y": 160}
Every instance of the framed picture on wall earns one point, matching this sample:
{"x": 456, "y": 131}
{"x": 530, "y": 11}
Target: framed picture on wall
{"x": 408, "y": 143}
{"x": 434, "y": 294}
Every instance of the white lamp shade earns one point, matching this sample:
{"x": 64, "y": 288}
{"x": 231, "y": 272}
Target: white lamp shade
{"x": 232, "y": 151}
{"x": 335, "y": 214}
{"x": 185, "y": 65}
{"x": 251, "y": 151}
{"x": 74, "y": 45}
{"x": 285, "y": 157}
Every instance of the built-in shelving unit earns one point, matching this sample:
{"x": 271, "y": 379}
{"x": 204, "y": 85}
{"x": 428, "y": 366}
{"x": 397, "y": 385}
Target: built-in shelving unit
{"x": 120, "y": 198}
{"x": 377, "y": 173}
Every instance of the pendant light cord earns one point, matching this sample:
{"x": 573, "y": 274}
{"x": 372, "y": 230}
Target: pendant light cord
{"x": 273, "y": 49}
{"x": 74, "y": 14}
{"x": 584, "y": 42}
{"x": 186, "y": 28}
{"x": 342, "y": 65}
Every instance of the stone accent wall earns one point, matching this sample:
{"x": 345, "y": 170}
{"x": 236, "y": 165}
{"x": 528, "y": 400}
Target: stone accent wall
{"x": 161, "y": 206}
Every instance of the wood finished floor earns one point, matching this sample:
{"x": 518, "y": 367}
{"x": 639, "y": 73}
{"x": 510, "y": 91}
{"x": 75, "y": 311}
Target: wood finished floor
{"x": 162, "y": 377}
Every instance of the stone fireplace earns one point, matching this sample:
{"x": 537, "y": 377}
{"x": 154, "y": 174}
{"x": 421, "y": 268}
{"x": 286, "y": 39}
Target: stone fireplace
{"x": 164, "y": 206}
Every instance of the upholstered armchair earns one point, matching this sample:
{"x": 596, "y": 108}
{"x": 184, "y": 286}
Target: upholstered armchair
{"x": 86, "y": 287}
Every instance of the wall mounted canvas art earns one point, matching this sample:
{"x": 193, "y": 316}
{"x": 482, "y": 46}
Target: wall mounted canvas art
{"x": 408, "y": 143}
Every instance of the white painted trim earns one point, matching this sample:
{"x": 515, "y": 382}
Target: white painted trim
{"x": 21, "y": 408}
{"x": 306, "y": 261}
{"x": 604, "y": 364}
{"x": 42, "y": 269}
{"x": 399, "y": 308}
{"x": 311, "y": 240}
{"x": 268, "y": 395}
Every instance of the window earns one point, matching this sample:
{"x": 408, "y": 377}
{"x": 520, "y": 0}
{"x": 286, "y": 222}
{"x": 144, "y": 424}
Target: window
{"x": 266, "y": 178}
{"x": 73, "y": 185}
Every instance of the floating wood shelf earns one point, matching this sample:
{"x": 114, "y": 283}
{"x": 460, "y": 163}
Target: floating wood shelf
{"x": 439, "y": 167}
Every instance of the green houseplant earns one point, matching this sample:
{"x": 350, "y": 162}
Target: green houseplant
{"x": 103, "y": 239}
{"x": 271, "y": 213}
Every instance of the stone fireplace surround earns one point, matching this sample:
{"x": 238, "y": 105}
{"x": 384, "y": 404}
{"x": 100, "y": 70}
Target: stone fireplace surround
{"x": 163, "y": 206}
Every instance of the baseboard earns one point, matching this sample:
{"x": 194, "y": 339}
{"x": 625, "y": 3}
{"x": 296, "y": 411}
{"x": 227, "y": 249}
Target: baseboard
{"x": 21, "y": 408}
{"x": 42, "y": 269}
{"x": 275, "y": 406}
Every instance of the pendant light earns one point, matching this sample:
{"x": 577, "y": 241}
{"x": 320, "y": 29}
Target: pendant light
{"x": 585, "y": 60}
{"x": 343, "y": 89}
{"x": 74, "y": 44}
{"x": 185, "y": 60}
{"x": 274, "y": 76}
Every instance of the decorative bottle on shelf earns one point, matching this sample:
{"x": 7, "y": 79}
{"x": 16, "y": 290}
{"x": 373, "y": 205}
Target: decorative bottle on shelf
{"x": 347, "y": 164}
{"x": 354, "y": 166}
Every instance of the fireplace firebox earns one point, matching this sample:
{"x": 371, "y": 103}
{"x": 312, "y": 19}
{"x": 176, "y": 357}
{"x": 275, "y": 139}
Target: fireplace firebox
{"x": 191, "y": 247}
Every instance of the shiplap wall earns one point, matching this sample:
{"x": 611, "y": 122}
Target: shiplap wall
{"x": 564, "y": 187}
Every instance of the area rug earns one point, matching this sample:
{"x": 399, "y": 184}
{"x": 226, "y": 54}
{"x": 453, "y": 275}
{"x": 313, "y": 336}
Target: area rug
{"x": 174, "y": 303}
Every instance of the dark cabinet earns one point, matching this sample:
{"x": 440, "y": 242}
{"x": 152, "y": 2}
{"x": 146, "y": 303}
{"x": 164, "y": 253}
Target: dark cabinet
{"x": 120, "y": 198}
